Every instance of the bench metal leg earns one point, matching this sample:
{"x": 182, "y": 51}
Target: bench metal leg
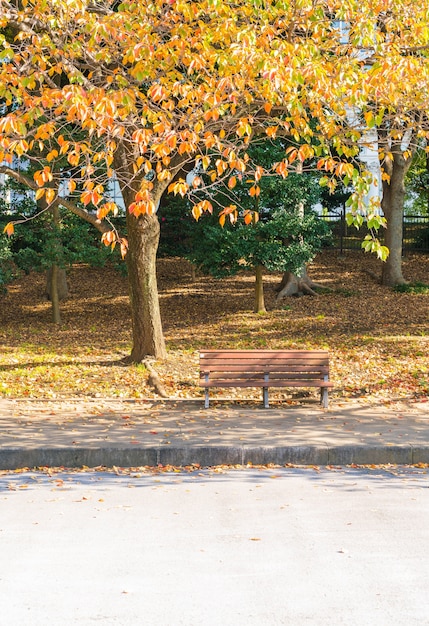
{"x": 265, "y": 392}
{"x": 265, "y": 397}
{"x": 206, "y": 395}
{"x": 324, "y": 397}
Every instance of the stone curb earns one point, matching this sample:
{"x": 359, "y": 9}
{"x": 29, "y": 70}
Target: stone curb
{"x": 206, "y": 456}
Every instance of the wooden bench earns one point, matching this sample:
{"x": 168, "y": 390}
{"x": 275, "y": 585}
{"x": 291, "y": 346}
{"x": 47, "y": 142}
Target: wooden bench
{"x": 265, "y": 368}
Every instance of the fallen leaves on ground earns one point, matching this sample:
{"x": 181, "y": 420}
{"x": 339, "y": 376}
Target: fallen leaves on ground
{"x": 378, "y": 339}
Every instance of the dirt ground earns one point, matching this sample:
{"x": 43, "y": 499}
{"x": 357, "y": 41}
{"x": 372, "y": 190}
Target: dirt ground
{"x": 378, "y": 339}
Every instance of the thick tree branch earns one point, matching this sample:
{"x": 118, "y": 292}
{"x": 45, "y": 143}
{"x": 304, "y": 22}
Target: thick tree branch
{"x": 102, "y": 226}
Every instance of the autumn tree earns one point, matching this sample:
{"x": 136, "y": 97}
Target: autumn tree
{"x": 395, "y": 59}
{"x": 152, "y": 89}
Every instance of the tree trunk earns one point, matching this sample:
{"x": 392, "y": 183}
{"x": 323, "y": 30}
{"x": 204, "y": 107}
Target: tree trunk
{"x": 393, "y": 208}
{"x": 56, "y": 283}
{"x": 293, "y": 285}
{"x": 54, "y": 294}
{"x": 259, "y": 290}
{"x": 143, "y": 238}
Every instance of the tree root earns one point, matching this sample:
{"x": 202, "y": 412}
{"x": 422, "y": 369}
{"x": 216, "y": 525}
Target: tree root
{"x": 293, "y": 285}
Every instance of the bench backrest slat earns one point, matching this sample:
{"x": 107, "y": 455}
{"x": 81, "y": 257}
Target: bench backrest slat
{"x": 255, "y": 359}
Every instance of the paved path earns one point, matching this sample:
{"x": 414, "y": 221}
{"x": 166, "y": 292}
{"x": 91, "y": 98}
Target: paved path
{"x": 73, "y": 433}
{"x": 256, "y": 547}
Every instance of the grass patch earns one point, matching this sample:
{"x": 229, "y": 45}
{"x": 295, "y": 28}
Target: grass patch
{"x": 413, "y": 288}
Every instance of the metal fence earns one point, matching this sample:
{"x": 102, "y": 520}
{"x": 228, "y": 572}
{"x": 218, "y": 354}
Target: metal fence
{"x": 344, "y": 237}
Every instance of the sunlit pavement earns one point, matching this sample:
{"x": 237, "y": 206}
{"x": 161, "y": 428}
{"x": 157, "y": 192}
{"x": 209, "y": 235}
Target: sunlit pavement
{"x": 257, "y": 546}
{"x": 109, "y": 432}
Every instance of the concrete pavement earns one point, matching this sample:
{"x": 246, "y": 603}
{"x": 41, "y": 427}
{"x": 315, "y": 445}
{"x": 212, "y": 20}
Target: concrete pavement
{"x": 131, "y": 433}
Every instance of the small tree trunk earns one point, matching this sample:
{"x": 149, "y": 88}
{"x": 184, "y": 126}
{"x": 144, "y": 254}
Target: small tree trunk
{"x": 56, "y": 283}
{"x": 393, "y": 208}
{"x": 143, "y": 238}
{"x": 55, "y": 300}
{"x": 259, "y": 290}
{"x": 61, "y": 284}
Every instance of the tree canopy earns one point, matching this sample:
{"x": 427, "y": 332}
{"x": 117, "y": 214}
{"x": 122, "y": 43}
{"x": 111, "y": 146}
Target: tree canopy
{"x": 143, "y": 92}
{"x": 151, "y": 86}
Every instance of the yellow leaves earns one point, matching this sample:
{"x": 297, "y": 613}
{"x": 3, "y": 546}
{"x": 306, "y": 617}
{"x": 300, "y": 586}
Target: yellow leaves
{"x": 232, "y": 182}
{"x": 282, "y": 169}
{"x": 11, "y": 124}
{"x": 230, "y": 212}
{"x": 205, "y": 162}
{"x": 243, "y": 127}
{"x": 164, "y": 175}
{"x": 143, "y": 203}
{"x": 92, "y": 194}
{"x": 43, "y": 176}
{"x": 51, "y": 155}
{"x": 50, "y": 195}
{"x": 48, "y": 192}
{"x": 199, "y": 208}
{"x": 180, "y": 187}
{"x": 196, "y": 64}
{"x": 108, "y": 207}
{"x": 9, "y": 229}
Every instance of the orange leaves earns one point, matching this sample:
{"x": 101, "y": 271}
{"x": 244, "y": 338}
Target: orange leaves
{"x": 271, "y": 131}
{"x": 221, "y": 166}
{"x": 92, "y": 194}
{"x": 157, "y": 92}
{"x": 250, "y": 217}
{"x": 229, "y": 212}
{"x": 180, "y": 187}
{"x": 108, "y": 207}
{"x": 111, "y": 238}
{"x": 51, "y": 155}
{"x": 105, "y": 106}
{"x": 142, "y": 136}
{"x": 243, "y": 127}
{"x": 199, "y": 208}
{"x": 43, "y": 176}
{"x": 48, "y": 192}
{"x": 282, "y": 169}
{"x": 232, "y": 182}
{"x": 93, "y": 197}
{"x": 143, "y": 203}
{"x": 9, "y": 229}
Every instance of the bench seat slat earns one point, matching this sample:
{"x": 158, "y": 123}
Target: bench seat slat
{"x": 283, "y": 375}
{"x": 267, "y": 368}
{"x": 261, "y": 383}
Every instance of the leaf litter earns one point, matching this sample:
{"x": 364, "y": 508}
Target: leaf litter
{"x": 378, "y": 339}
